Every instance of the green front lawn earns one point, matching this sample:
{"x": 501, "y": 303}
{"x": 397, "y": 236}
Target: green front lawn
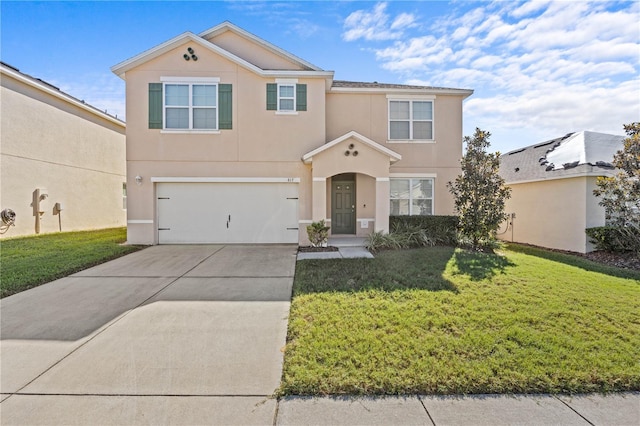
{"x": 30, "y": 261}
{"x": 445, "y": 321}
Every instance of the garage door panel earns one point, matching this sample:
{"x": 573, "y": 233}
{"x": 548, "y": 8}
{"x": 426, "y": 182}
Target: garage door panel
{"x": 227, "y": 212}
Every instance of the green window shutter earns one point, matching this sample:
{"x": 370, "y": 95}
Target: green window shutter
{"x": 301, "y": 97}
{"x": 225, "y": 104}
{"x": 155, "y": 105}
{"x": 272, "y": 97}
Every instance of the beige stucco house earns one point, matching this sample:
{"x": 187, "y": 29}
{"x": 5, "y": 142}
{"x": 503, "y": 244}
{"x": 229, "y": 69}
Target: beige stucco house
{"x": 552, "y": 187}
{"x": 63, "y": 162}
{"x": 232, "y": 139}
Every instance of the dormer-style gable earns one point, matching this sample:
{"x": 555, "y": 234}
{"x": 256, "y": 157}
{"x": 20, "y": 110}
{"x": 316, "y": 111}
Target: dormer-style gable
{"x": 255, "y": 50}
{"x": 239, "y": 47}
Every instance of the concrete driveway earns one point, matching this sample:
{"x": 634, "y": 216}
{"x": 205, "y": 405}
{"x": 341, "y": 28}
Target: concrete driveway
{"x": 167, "y": 335}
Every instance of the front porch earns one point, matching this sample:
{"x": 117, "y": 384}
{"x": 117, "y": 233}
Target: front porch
{"x": 350, "y": 188}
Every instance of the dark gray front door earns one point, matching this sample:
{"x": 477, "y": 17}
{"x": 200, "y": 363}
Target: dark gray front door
{"x": 343, "y": 207}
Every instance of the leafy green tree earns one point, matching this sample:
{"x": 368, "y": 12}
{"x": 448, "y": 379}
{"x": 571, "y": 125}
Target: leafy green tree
{"x": 479, "y": 192}
{"x": 621, "y": 193}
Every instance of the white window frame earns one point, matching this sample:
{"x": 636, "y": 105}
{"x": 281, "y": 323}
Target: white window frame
{"x": 410, "y": 198}
{"x": 190, "y": 82}
{"x": 287, "y": 82}
{"x": 411, "y": 100}
{"x": 292, "y": 98}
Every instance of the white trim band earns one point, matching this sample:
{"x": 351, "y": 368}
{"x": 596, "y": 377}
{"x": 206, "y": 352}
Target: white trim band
{"x": 190, "y": 79}
{"x": 413, "y": 175}
{"x": 382, "y": 179}
{"x": 163, "y": 179}
{"x": 139, "y": 221}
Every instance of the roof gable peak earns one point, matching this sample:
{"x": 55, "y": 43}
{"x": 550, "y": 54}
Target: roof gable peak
{"x": 228, "y": 26}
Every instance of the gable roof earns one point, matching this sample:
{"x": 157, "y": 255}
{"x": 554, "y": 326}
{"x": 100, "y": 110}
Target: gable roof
{"x": 121, "y": 68}
{"x": 393, "y": 156}
{"x": 574, "y": 154}
{"x": 50, "y": 89}
{"x": 228, "y": 26}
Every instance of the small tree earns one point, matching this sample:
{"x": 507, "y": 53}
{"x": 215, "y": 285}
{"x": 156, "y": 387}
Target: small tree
{"x": 479, "y": 192}
{"x": 621, "y": 192}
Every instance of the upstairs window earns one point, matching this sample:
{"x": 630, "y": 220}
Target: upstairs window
{"x": 286, "y": 97}
{"x": 411, "y": 196}
{"x": 411, "y": 120}
{"x": 190, "y": 106}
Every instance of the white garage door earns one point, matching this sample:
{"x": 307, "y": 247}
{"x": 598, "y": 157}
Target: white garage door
{"x": 190, "y": 212}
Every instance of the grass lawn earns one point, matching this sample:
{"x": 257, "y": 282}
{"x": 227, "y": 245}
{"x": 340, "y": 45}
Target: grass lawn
{"x": 445, "y": 321}
{"x": 30, "y": 261}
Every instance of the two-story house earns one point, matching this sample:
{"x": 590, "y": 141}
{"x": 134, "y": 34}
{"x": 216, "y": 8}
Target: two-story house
{"x": 231, "y": 139}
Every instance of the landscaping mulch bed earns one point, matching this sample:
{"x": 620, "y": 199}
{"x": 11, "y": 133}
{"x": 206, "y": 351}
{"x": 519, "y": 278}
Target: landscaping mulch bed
{"x": 308, "y": 249}
{"x": 621, "y": 260}
{"x": 626, "y": 260}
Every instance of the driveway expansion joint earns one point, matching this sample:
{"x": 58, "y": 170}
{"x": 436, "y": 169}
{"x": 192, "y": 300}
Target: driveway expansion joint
{"x": 574, "y": 410}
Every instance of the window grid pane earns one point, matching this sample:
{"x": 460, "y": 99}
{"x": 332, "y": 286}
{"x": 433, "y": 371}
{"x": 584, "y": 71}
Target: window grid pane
{"x": 204, "y": 118}
{"x": 177, "y": 118}
{"x": 422, "y": 110}
{"x": 204, "y": 95}
{"x": 399, "y": 130}
{"x": 399, "y": 110}
{"x": 286, "y": 104}
{"x": 177, "y": 95}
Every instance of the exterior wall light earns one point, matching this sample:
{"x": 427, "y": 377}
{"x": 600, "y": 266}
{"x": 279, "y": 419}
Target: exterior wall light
{"x": 139, "y": 180}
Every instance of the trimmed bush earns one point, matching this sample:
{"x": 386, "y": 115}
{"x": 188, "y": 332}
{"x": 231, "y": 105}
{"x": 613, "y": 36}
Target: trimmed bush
{"x": 612, "y": 238}
{"x": 441, "y": 230}
{"x": 415, "y": 231}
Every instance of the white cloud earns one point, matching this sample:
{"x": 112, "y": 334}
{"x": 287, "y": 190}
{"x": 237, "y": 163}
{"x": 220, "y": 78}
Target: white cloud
{"x": 542, "y": 67}
{"x": 374, "y": 24}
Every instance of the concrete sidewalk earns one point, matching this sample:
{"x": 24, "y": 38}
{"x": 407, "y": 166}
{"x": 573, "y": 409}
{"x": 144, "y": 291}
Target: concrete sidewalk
{"x": 616, "y": 410}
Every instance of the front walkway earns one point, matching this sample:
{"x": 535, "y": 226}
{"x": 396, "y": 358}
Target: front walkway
{"x": 349, "y": 247}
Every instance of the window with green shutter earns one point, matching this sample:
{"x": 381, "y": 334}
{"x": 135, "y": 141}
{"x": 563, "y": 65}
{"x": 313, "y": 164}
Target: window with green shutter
{"x": 225, "y": 99}
{"x": 190, "y": 104}
{"x": 155, "y": 105}
{"x": 286, "y": 97}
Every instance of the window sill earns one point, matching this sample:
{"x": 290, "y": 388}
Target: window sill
{"x": 286, "y": 112}
{"x": 191, "y": 132}
{"x": 411, "y": 141}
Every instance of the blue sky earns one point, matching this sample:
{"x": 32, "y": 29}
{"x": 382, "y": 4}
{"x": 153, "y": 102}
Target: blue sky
{"x": 540, "y": 69}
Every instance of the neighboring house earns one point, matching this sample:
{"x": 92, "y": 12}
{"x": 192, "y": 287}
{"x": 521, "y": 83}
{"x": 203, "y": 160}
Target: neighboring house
{"x": 63, "y": 162}
{"x": 552, "y": 187}
{"x": 232, "y": 139}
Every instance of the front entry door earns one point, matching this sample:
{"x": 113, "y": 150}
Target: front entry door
{"x": 343, "y": 207}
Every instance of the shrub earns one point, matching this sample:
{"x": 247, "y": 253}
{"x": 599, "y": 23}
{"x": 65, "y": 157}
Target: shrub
{"x": 414, "y": 231}
{"x": 441, "y": 229}
{"x": 318, "y": 233}
{"x": 613, "y": 238}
